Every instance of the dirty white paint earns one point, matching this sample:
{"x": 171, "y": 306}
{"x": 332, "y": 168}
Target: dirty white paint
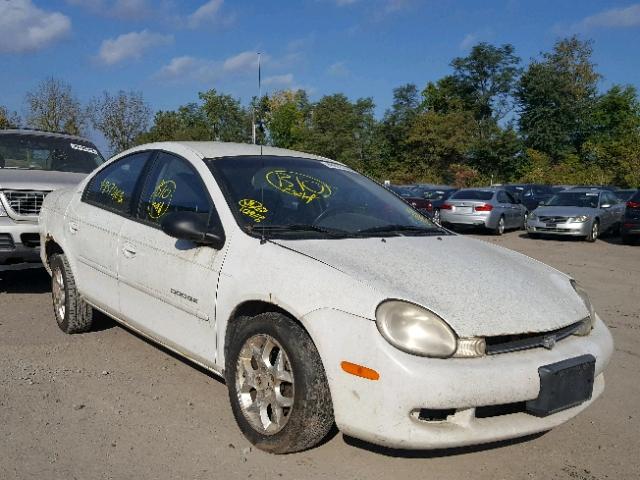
{"x": 333, "y": 287}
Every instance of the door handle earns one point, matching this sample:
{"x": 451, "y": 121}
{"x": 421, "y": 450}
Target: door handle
{"x": 129, "y": 251}
{"x": 73, "y": 227}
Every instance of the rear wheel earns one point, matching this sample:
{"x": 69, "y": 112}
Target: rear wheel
{"x": 73, "y": 314}
{"x": 277, "y": 385}
{"x": 595, "y": 231}
{"x": 499, "y": 229}
{"x": 436, "y": 216}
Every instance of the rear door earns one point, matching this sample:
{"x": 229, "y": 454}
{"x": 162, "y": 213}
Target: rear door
{"x": 168, "y": 286}
{"x": 507, "y": 208}
{"x": 93, "y": 225}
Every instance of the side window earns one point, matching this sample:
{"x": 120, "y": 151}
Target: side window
{"x": 510, "y": 198}
{"x": 114, "y": 186}
{"x": 502, "y": 197}
{"x": 172, "y": 186}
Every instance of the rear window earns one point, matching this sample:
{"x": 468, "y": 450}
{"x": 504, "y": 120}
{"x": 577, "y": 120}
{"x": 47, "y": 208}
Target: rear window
{"x": 42, "y": 152}
{"x": 472, "y": 195}
{"x": 636, "y": 197}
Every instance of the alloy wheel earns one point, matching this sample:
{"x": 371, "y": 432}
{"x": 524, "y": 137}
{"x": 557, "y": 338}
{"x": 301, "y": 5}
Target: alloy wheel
{"x": 59, "y": 294}
{"x": 265, "y": 384}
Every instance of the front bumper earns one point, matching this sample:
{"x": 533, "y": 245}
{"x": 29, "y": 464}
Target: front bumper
{"x": 571, "y": 229}
{"x": 385, "y": 411}
{"x": 19, "y": 242}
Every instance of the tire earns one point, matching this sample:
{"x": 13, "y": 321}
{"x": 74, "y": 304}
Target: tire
{"x": 73, "y": 314}
{"x": 595, "y": 231}
{"x": 524, "y": 221}
{"x": 298, "y": 389}
{"x": 499, "y": 230}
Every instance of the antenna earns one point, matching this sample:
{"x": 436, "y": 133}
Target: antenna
{"x": 253, "y": 121}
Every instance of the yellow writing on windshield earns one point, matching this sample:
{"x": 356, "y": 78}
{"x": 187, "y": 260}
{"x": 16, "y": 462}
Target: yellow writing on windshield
{"x": 300, "y": 185}
{"x": 253, "y": 208}
{"x": 112, "y": 190}
{"x": 161, "y": 199}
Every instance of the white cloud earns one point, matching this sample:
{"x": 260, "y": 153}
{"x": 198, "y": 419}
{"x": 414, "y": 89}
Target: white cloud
{"x": 24, "y": 27}
{"x": 468, "y": 41}
{"x": 130, "y": 45}
{"x": 123, "y": 9}
{"x": 338, "y": 69}
{"x": 613, "y": 18}
{"x": 279, "y": 80}
{"x": 244, "y": 61}
{"x": 342, "y": 3}
{"x": 206, "y": 13}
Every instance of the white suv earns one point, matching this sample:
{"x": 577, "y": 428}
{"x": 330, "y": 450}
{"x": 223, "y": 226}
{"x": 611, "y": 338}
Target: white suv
{"x": 321, "y": 297}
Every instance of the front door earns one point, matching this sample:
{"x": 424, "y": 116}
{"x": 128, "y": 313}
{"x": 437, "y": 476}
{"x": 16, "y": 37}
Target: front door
{"x": 93, "y": 224}
{"x": 168, "y": 286}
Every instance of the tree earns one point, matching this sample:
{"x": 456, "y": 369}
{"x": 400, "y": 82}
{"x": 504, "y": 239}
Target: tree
{"x": 8, "y": 119}
{"x": 189, "y": 122}
{"x": 287, "y": 117}
{"x": 53, "y": 107}
{"x": 229, "y": 122}
{"x": 121, "y": 118}
{"x": 397, "y": 123}
{"x": 556, "y": 97}
{"x": 487, "y": 78}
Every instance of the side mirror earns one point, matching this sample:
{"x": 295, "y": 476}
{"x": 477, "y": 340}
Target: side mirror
{"x": 193, "y": 227}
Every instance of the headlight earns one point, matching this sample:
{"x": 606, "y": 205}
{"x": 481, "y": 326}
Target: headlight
{"x": 580, "y": 219}
{"x": 588, "y": 325}
{"x": 415, "y": 330}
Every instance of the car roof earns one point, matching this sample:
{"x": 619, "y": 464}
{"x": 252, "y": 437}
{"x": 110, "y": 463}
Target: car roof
{"x": 585, "y": 190}
{"x": 43, "y": 133}
{"x": 215, "y": 150}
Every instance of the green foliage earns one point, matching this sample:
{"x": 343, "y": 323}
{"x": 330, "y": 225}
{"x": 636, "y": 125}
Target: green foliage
{"x": 8, "y": 119}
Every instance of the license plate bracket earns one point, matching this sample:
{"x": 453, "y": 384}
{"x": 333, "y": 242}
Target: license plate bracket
{"x": 563, "y": 385}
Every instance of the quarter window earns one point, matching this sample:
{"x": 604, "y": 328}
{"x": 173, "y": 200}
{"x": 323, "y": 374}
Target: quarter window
{"x": 114, "y": 186}
{"x": 172, "y": 186}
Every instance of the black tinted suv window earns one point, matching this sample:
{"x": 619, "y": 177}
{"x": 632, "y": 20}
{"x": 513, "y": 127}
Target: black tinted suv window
{"x": 172, "y": 186}
{"x": 114, "y": 186}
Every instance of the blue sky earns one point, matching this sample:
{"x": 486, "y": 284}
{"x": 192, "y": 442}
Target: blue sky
{"x": 171, "y": 49}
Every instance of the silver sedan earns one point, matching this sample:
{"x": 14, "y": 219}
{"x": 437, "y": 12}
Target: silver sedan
{"x": 582, "y": 213}
{"x": 491, "y": 208}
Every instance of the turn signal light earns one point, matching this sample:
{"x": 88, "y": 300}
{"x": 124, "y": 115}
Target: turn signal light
{"x": 445, "y": 206}
{"x": 485, "y": 207}
{"x": 360, "y": 371}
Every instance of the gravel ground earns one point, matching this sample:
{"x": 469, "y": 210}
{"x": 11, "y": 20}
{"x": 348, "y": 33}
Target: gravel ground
{"x": 108, "y": 404}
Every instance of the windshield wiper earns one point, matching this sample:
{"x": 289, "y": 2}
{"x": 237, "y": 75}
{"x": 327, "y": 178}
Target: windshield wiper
{"x": 299, "y": 227}
{"x": 400, "y": 229}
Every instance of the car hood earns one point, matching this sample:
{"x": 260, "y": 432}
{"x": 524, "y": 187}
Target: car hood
{"x": 564, "y": 211}
{"x": 15, "y": 179}
{"x": 479, "y": 289}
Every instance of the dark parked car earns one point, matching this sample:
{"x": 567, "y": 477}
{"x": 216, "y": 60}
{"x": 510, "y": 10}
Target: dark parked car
{"x": 436, "y": 198}
{"x": 631, "y": 220}
{"x": 625, "y": 195}
{"x": 531, "y": 195}
{"x": 411, "y": 196}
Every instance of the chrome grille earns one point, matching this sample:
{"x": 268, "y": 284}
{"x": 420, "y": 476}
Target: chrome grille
{"x": 553, "y": 219}
{"x": 25, "y": 202}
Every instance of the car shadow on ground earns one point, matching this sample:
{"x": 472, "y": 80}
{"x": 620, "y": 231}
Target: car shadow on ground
{"x": 607, "y": 238}
{"x": 24, "y": 280}
{"x": 439, "y": 453}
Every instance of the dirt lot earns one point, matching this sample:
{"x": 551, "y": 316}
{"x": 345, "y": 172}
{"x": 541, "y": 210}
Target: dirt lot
{"x": 109, "y": 405}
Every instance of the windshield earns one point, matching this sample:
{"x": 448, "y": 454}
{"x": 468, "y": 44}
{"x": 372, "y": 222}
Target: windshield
{"x": 435, "y": 194}
{"x": 40, "y": 152}
{"x": 472, "y": 195}
{"x": 402, "y": 191}
{"x": 574, "y": 199}
{"x": 291, "y": 197}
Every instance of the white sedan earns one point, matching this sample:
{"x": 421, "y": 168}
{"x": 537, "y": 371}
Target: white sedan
{"x": 321, "y": 297}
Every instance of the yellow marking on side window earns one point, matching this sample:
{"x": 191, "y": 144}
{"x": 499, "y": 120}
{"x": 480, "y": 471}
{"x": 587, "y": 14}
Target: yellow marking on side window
{"x": 161, "y": 198}
{"x": 112, "y": 190}
{"x": 300, "y": 185}
{"x": 253, "y": 208}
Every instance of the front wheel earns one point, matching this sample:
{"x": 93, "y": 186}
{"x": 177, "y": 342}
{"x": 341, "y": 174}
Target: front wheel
{"x": 73, "y": 314}
{"x": 436, "y": 216}
{"x": 277, "y": 384}
{"x": 595, "y": 232}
